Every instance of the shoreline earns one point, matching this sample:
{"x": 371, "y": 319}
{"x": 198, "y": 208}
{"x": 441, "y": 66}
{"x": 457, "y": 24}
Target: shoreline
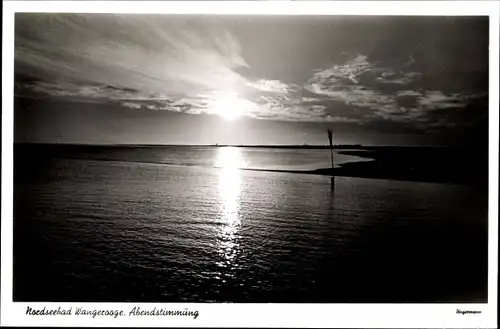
{"x": 338, "y": 172}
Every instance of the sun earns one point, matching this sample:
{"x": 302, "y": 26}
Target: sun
{"x": 229, "y": 106}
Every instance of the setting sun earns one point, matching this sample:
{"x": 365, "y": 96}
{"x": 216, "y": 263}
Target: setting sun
{"x": 230, "y": 106}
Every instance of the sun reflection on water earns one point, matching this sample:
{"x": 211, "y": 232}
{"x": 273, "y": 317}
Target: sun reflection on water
{"x": 229, "y": 159}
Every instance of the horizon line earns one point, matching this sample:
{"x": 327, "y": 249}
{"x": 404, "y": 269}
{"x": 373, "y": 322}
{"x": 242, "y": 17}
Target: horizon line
{"x": 232, "y": 145}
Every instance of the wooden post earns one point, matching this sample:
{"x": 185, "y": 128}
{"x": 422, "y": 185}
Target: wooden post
{"x": 330, "y": 139}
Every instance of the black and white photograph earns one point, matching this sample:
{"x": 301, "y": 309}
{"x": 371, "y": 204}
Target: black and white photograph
{"x": 209, "y": 158}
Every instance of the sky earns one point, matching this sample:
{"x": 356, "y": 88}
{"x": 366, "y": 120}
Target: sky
{"x": 237, "y": 79}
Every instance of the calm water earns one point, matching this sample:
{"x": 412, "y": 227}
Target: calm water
{"x": 93, "y": 230}
{"x": 248, "y": 158}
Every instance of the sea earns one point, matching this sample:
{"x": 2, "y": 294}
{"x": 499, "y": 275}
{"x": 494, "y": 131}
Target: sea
{"x": 193, "y": 224}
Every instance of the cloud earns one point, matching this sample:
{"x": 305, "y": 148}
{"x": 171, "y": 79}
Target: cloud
{"x": 348, "y": 83}
{"x": 147, "y": 53}
{"x": 403, "y": 93}
{"x": 435, "y": 99}
{"x": 340, "y": 119}
{"x": 352, "y": 94}
{"x": 364, "y": 85}
{"x": 272, "y": 86}
{"x": 311, "y": 99}
{"x": 94, "y": 91}
{"x": 358, "y": 75}
{"x": 183, "y": 105}
{"x": 348, "y": 71}
{"x": 399, "y": 78}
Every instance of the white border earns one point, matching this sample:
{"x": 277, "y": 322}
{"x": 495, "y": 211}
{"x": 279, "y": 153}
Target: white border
{"x": 256, "y": 315}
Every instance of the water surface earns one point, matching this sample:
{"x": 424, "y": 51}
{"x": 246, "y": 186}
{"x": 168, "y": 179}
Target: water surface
{"x": 186, "y": 224}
